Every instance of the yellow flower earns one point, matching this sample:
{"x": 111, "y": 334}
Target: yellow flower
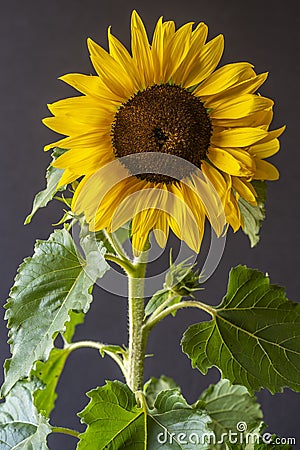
{"x": 164, "y": 98}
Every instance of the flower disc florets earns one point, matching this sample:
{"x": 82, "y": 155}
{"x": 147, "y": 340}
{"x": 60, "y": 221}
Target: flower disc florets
{"x": 162, "y": 119}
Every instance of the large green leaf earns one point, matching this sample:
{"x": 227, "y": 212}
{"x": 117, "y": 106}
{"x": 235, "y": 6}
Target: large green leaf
{"x": 53, "y": 176}
{"x": 114, "y": 420}
{"x": 21, "y": 426}
{"x": 175, "y": 425}
{"x": 254, "y": 336}
{"x": 253, "y": 216}
{"x": 231, "y": 408}
{"x": 47, "y": 287}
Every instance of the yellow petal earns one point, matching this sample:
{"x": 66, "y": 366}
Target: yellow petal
{"x": 273, "y": 134}
{"x": 157, "y": 49}
{"x": 265, "y": 171}
{"x": 67, "y": 177}
{"x": 85, "y": 160}
{"x": 141, "y": 52}
{"x": 265, "y": 149}
{"x": 110, "y": 71}
{"x": 161, "y": 231}
{"x": 186, "y": 223}
{"x": 236, "y": 107}
{"x": 210, "y": 202}
{"x": 239, "y": 137}
{"x": 177, "y": 51}
{"x": 197, "y": 41}
{"x": 231, "y": 161}
{"x": 119, "y": 52}
{"x": 233, "y": 213}
{"x": 207, "y": 62}
{"x": 246, "y": 86}
{"x": 261, "y": 119}
{"x": 245, "y": 190}
{"x": 223, "y": 78}
{"x": 90, "y": 85}
{"x": 79, "y": 114}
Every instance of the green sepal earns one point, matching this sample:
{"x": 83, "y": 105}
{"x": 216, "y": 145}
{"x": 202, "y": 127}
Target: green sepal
{"x": 53, "y": 176}
{"x": 252, "y": 215}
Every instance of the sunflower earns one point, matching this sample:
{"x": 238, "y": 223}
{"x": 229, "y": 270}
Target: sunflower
{"x": 164, "y": 98}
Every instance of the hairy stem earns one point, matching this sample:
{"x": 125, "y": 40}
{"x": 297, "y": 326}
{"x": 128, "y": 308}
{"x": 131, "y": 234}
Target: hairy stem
{"x": 101, "y": 348}
{"x": 125, "y": 264}
{"x": 152, "y": 321}
{"x": 64, "y": 430}
{"x": 114, "y": 242}
{"x": 137, "y": 337}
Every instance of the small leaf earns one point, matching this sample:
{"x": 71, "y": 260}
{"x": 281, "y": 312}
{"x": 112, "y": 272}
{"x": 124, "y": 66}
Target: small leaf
{"x": 228, "y": 406}
{"x": 114, "y": 420}
{"x": 253, "y": 216}
{"x": 158, "y": 299}
{"x": 175, "y": 425}
{"x": 53, "y": 176}
{"x": 76, "y": 318}
{"x": 47, "y": 287}
{"x": 21, "y": 426}
{"x": 254, "y": 336}
{"x": 49, "y": 372}
{"x": 155, "y": 385}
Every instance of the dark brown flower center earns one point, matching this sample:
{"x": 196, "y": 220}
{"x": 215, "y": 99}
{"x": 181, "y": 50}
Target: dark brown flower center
{"x": 162, "y": 119}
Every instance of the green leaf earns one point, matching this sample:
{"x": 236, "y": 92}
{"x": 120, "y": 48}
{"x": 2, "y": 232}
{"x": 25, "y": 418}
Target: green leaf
{"x": 175, "y": 425}
{"x": 21, "y": 426}
{"x": 253, "y": 216}
{"x": 47, "y": 287}
{"x": 155, "y": 385}
{"x": 53, "y": 176}
{"x": 50, "y": 371}
{"x": 114, "y": 420}
{"x": 158, "y": 299}
{"x": 229, "y": 407}
{"x": 76, "y": 318}
{"x": 253, "y": 337}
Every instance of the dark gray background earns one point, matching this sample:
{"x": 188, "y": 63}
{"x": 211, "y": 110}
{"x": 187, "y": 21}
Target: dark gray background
{"x": 41, "y": 40}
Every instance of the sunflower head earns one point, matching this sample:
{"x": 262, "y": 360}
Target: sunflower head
{"x": 164, "y": 135}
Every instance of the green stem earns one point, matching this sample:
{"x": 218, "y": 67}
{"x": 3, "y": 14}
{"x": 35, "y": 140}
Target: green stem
{"x": 126, "y": 264}
{"x": 152, "y": 321}
{"x": 114, "y": 242}
{"x": 66, "y": 431}
{"x": 137, "y": 337}
{"x": 100, "y": 347}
